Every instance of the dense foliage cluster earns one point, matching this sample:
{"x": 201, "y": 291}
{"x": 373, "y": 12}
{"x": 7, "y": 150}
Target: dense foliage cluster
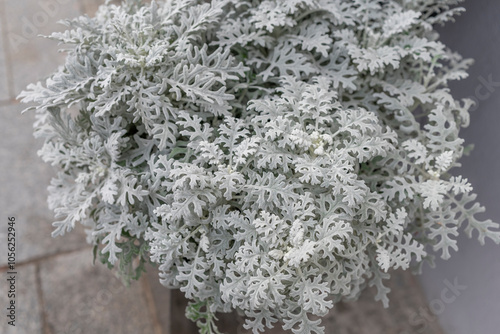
{"x": 272, "y": 157}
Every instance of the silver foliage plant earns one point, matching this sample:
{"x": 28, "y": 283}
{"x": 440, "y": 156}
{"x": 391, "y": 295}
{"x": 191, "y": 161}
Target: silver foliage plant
{"x": 272, "y": 157}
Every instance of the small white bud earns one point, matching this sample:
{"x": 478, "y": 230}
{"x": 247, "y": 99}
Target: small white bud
{"x": 204, "y": 243}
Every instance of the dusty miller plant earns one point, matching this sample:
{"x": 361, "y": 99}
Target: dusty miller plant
{"x": 272, "y": 157}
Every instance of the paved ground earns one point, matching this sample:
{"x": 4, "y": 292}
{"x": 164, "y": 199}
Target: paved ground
{"x": 58, "y": 288}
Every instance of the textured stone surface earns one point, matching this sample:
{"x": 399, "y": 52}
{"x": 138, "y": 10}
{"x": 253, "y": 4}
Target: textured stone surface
{"x": 162, "y": 301}
{"x": 34, "y": 57}
{"x": 81, "y": 298}
{"x": 24, "y": 178}
{"x": 4, "y": 83}
{"x": 179, "y": 323}
{"x": 28, "y": 311}
{"x": 89, "y": 7}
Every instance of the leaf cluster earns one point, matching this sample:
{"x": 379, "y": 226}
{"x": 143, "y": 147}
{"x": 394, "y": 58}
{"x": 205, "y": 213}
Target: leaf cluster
{"x": 272, "y": 157}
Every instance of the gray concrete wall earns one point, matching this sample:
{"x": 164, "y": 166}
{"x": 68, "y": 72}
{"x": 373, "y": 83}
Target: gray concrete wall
{"x": 475, "y": 307}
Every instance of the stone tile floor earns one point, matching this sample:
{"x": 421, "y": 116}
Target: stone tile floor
{"x": 58, "y": 288}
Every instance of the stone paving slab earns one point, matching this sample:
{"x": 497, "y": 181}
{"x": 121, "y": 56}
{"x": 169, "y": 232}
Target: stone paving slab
{"x": 179, "y": 322}
{"x": 89, "y": 7}
{"x": 24, "y": 178}
{"x": 4, "y": 82}
{"x": 34, "y": 57}
{"x": 28, "y": 311}
{"x": 162, "y": 300}
{"x": 81, "y": 298}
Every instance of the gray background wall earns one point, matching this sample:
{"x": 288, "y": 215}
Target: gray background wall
{"x": 474, "y": 307}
